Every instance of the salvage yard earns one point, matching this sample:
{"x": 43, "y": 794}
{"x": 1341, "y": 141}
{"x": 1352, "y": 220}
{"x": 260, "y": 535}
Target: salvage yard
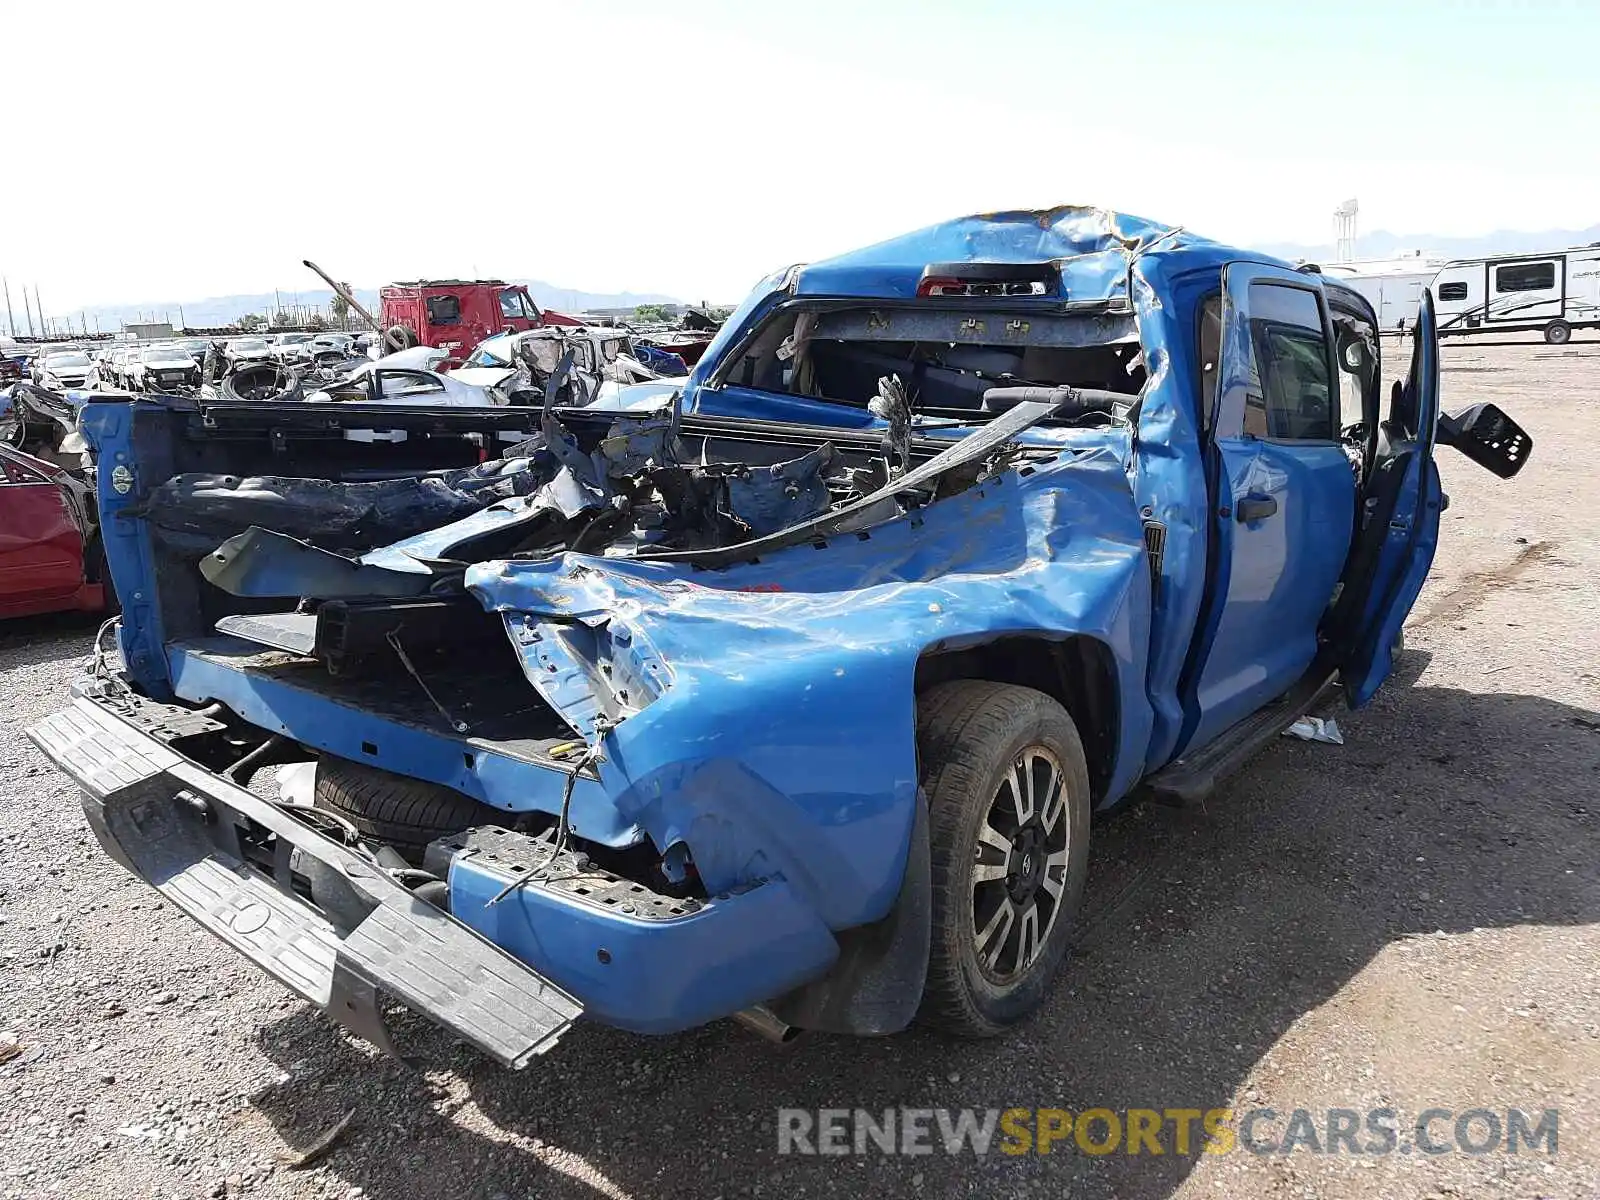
{"x": 1409, "y": 920}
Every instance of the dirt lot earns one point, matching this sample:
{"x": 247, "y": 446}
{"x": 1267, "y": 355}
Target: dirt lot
{"x": 1410, "y": 920}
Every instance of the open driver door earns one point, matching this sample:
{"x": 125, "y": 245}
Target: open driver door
{"x": 1397, "y": 525}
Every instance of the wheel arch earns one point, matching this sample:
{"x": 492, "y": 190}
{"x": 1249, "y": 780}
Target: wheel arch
{"x": 1078, "y": 671}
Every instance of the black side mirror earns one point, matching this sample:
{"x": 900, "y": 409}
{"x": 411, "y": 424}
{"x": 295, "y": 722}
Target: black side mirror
{"x": 1488, "y": 437}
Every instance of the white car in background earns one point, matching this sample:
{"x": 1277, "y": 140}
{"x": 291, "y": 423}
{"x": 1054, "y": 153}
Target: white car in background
{"x": 59, "y": 369}
{"x": 113, "y": 366}
{"x": 293, "y": 347}
{"x": 602, "y": 359}
{"x": 405, "y": 377}
{"x": 247, "y": 349}
{"x": 333, "y": 343}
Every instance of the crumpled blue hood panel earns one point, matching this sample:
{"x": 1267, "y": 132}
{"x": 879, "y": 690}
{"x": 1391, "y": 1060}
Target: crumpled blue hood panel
{"x": 781, "y": 734}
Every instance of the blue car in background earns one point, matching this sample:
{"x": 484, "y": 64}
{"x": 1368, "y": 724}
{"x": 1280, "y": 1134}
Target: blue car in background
{"x": 789, "y": 695}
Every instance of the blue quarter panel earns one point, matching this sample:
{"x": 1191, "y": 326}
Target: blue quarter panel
{"x": 652, "y": 976}
{"x": 784, "y": 742}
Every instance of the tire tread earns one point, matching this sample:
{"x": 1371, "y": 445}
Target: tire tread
{"x": 403, "y": 812}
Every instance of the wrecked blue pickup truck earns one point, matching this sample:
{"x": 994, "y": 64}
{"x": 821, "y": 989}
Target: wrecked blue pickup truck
{"x": 789, "y": 696}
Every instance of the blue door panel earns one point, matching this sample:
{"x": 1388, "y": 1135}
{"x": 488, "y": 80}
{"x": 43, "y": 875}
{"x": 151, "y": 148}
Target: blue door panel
{"x": 1409, "y": 535}
{"x": 1276, "y": 569}
{"x": 1282, "y": 573}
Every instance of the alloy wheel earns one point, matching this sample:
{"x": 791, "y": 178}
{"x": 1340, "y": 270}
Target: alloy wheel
{"x": 1020, "y": 866}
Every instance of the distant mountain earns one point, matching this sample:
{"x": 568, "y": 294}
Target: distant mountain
{"x": 1383, "y": 244}
{"x": 214, "y": 311}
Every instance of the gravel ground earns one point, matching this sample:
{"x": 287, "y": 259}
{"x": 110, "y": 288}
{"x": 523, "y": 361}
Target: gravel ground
{"x": 1407, "y": 920}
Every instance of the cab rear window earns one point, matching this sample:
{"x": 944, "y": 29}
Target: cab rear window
{"x": 947, "y": 357}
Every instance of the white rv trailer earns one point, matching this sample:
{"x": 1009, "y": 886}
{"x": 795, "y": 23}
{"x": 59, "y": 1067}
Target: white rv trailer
{"x": 1551, "y": 293}
{"x": 1393, "y": 286}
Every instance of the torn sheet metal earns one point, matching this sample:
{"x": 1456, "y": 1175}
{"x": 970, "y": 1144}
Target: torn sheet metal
{"x": 635, "y": 489}
{"x": 867, "y": 510}
{"x": 730, "y": 689}
{"x": 263, "y": 562}
{"x": 555, "y": 506}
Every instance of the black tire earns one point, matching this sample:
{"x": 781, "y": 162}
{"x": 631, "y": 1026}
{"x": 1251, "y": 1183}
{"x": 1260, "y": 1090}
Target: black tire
{"x": 261, "y": 381}
{"x": 970, "y": 735}
{"x": 399, "y": 337}
{"x": 1558, "y": 333}
{"x": 396, "y": 810}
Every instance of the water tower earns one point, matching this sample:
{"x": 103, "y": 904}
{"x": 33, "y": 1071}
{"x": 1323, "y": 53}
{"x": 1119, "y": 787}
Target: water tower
{"x": 1344, "y": 231}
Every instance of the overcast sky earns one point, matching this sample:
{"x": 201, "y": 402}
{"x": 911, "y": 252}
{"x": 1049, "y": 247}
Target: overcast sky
{"x": 689, "y": 148}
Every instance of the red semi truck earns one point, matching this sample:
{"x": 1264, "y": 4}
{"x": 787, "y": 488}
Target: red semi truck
{"x": 457, "y": 314}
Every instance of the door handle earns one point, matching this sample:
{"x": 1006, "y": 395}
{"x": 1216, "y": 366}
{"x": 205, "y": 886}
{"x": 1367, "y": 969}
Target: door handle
{"x": 1255, "y": 508}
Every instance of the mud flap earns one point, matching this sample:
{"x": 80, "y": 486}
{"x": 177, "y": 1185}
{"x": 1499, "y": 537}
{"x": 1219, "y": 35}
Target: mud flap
{"x": 875, "y": 987}
{"x": 321, "y": 919}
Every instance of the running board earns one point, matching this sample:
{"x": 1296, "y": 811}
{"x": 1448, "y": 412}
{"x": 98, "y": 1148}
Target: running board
{"x": 1190, "y": 779}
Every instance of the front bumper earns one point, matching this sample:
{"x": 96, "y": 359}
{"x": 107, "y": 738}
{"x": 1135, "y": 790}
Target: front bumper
{"x": 319, "y": 918}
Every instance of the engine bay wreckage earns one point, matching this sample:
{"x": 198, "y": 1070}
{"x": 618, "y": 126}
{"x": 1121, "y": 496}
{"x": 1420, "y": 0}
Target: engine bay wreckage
{"x": 622, "y": 709}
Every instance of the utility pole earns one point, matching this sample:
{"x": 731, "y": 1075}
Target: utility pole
{"x": 10, "y": 320}
{"x": 38, "y": 308}
{"x": 26, "y": 311}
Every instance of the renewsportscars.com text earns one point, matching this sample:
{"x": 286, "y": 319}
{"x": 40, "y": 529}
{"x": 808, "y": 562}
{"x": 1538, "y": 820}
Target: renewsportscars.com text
{"x": 1099, "y": 1131}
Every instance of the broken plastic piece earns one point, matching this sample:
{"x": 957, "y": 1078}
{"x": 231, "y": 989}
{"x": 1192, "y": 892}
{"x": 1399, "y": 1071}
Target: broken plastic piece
{"x": 1316, "y": 729}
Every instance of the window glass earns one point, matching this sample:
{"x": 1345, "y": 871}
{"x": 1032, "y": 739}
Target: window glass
{"x": 443, "y": 310}
{"x": 1357, "y": 344}
{"x": 1525, "y": 277}
{"x": 490, "y": 353}
{"x": 511, "y": 305}
{"x": 1453, "y": 291}
{"x": 1290, "y": 394}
